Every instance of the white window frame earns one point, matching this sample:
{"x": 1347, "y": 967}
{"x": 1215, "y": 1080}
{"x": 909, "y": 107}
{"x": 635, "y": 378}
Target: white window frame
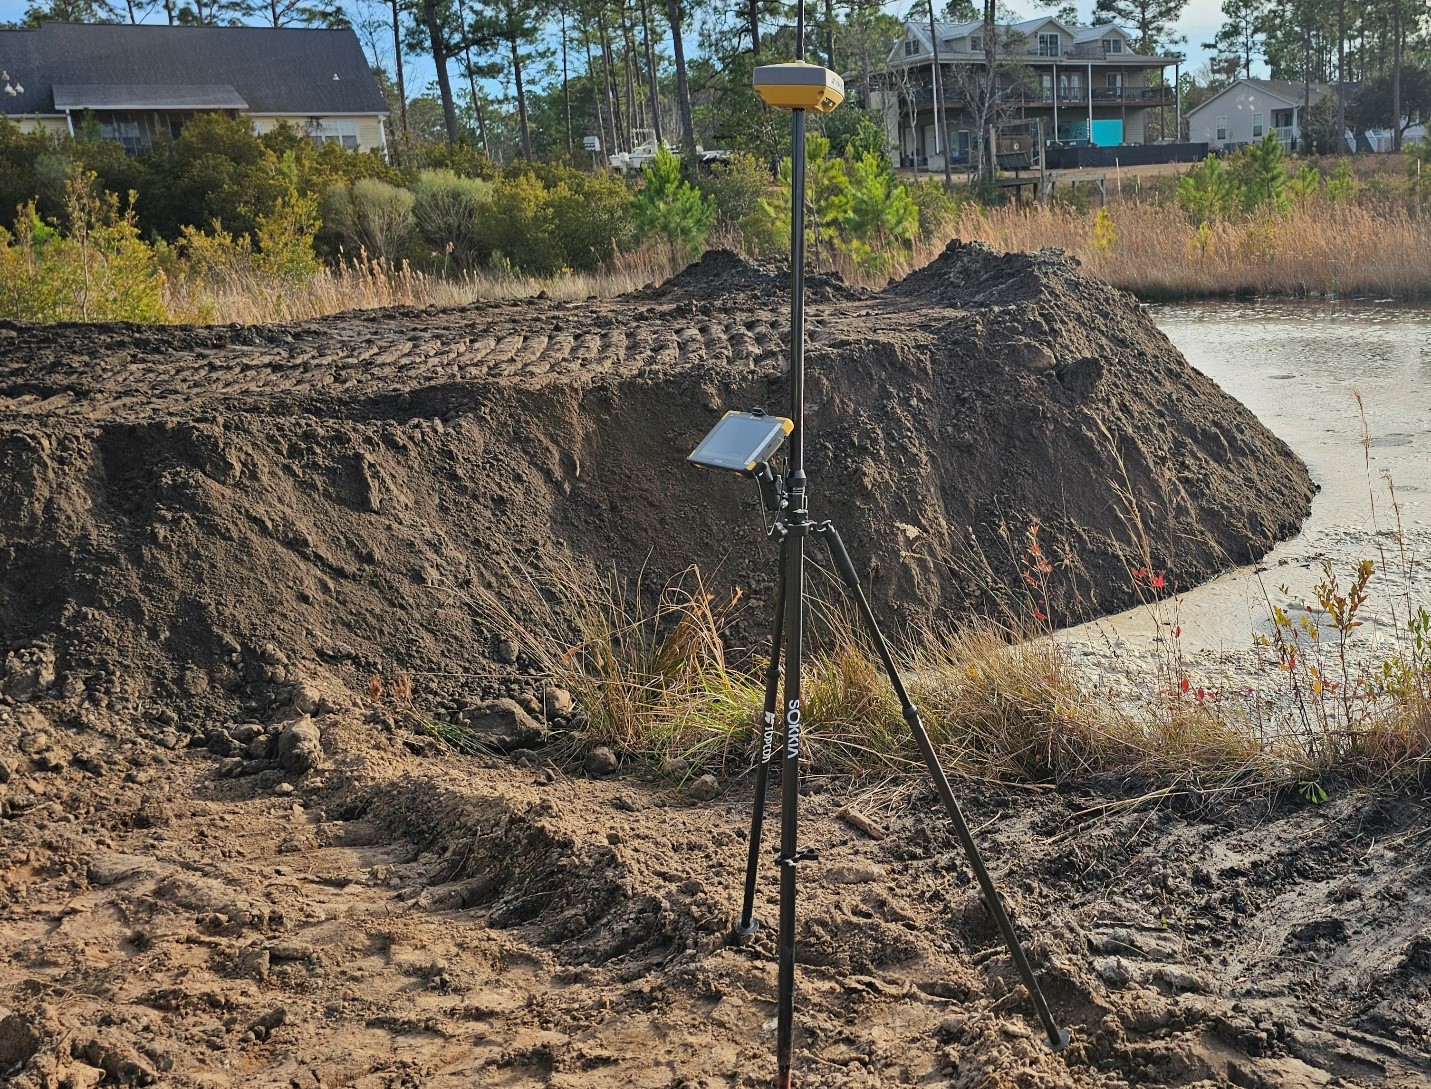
{"x": 334, "y": 130}
{"x": 976, "y": 43}
{"x": 1258, "y": 126}
{"x": 911, "y": 47}
{"x": 1221, "y": 129}
{"x": 1050, "y": 45}
{"x": 1112, "y": 45}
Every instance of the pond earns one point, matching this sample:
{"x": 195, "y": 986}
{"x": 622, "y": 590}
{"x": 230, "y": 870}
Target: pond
{"x": 1299, "y": 367}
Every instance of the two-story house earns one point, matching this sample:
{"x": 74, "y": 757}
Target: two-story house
{"x": 1087, "y": 83}
{"x": 138, "y": 83}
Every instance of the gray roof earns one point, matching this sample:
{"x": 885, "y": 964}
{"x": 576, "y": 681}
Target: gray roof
{"x": 108, "y": 96}
{"x": 282, "y": 71}
{"x": 1290, "y": 90}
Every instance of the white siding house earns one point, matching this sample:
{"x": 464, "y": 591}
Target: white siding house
{"x": 1249, "y": 109}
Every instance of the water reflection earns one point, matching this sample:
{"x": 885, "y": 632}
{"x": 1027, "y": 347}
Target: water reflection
{"x": 1300, "y": 367}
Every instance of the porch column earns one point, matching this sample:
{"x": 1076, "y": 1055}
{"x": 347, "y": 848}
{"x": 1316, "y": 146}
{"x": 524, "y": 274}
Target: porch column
{"x": 1055, "y": 100}
{"x": 1178, "y": 99}
{"x": 1090, "y": 103}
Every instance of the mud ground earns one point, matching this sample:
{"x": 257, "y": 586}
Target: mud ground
{"x": 405, "y": 916}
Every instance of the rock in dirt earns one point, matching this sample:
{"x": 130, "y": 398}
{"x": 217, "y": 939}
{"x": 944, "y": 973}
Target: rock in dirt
{"x": 21, "y": 1036}
{"x": 505, "y": 726}
{"x": 300, "y": 746}
{"x": 121, "y": 1063}
{"x": 28, "y": 672}
{"x": 601, "y": 761}
{"x": 305, "y": 699}
{"x": 557, "y": 702}
{"x": 703, "y": 789}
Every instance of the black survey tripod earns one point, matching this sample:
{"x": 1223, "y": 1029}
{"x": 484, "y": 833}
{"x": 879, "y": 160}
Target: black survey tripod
{"x": 787, "y": 497}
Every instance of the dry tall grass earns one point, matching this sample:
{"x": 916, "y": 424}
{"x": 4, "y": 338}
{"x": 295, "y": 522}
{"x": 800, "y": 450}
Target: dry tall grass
{"x": 1319, "y": 248}
{"x": 247, "y": 298}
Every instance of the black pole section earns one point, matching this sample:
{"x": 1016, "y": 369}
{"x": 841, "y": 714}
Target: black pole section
{"x": 1057, "y": 1036}
{"x": 797, "y": 525}
{"x": 746, "y": 928}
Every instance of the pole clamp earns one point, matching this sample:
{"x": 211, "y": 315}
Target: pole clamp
{"x": 809, "y": 854}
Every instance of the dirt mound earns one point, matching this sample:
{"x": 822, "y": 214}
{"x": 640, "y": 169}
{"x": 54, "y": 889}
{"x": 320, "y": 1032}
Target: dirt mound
{"x": 725, "y": 272}
{"x": 203, "y": 517}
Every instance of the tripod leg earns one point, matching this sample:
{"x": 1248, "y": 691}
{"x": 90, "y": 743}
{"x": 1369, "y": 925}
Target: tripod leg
{"x": 747, "y": 926}
{"x": 1057, "y": 1036}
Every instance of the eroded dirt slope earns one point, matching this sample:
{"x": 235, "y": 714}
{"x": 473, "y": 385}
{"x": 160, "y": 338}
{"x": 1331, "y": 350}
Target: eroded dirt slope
{"x": 398, "y": 489}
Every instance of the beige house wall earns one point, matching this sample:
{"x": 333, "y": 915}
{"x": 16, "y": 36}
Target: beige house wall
{"x": 369, "y": 128}
{"x": 51, "y": 123}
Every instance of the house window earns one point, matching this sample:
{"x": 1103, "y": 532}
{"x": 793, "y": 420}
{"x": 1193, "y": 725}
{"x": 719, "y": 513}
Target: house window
{"x": 327, "y": 131}
{"x": 1115, "y": 81}
{"x": 123, "y": 132}
{"x": 911, "y": 47}
{"x": 1112, "y": 45}
{"x": 1222, "y": 130}
{"x": 1048, "y": 45}
{"x": 1256, "y": 126}
{"x": 976, "y": 43}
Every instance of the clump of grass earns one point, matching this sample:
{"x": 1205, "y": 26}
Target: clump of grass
{"x": 652, "y": 678}
{"x": 1002, "y": 708}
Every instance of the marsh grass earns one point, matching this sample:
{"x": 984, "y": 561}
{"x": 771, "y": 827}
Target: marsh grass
{"x": 1142, "y": 245}
{"x": 240, "y": 293}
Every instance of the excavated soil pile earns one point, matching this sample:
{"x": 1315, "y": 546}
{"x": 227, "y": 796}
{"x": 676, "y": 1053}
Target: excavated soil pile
{"x": 227, "y": 861}
{"x": 182, "y": 511}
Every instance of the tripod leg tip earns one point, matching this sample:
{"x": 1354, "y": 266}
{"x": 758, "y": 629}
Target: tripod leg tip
{"x": 741, "y": 934}
{"x": 1059, "y": 1042}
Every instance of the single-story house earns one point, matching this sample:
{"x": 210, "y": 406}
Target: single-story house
{"x": 141, "y": 82}
{"x": 1248, "y": 109}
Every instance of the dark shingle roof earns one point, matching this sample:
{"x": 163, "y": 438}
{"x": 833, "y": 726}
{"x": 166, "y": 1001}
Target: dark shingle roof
{"x": 287, "y": 71}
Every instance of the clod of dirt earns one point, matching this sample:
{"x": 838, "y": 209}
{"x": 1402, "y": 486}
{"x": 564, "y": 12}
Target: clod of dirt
{"x": 202, "y": 519}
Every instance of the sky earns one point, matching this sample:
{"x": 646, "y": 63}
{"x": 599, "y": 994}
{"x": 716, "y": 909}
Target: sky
{"x": 1200, "y": 21}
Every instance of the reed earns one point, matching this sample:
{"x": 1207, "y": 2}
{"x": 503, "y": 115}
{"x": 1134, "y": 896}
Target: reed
{"x": 1319, "y": 247}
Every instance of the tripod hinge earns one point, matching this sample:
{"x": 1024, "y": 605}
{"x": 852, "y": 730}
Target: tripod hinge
{"x": 807, "y": 855}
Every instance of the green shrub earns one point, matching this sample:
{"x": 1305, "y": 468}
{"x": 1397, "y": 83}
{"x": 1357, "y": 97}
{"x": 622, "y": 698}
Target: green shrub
{"x": 98, "y": 269}
{"x": 853, "y": 133}
{"x": 1342, "y": 185}
{"x": 938, "y": 210}
{"x": 734, "y": 188}
{"x": 448, "y": 211}
{"x": 216, "y": 171}
{"x": 671, "y": 207}
{"x": 521, "y": 232}
{"x": 1261, "y": 172}
{"x": 827, "y": 203}
{"x": 593, "y": 218}
{"x": 1208, "y": 192}
{"x": 371, "y": 217}
{"x": 883, "y": 220}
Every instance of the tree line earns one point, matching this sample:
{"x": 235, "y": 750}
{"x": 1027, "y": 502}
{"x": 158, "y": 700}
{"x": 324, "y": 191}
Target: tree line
{"x": 530, "y": 79}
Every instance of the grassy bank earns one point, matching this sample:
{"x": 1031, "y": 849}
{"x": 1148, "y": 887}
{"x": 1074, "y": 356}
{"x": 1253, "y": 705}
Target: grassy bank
{"x": 1007, "y": 704}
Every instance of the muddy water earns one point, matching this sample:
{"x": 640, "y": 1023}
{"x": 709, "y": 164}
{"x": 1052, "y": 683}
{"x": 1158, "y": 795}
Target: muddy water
{"x": 1299, "y": 367}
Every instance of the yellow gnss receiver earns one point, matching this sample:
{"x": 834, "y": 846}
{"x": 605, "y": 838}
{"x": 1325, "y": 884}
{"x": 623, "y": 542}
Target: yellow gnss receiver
{"x": 799, "y": 86}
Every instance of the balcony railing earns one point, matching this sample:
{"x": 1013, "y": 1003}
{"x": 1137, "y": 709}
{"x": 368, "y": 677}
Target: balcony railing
{"x": 1034, "y": 96}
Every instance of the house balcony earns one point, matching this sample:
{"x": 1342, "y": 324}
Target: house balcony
{"x": 1066, "y": 96}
